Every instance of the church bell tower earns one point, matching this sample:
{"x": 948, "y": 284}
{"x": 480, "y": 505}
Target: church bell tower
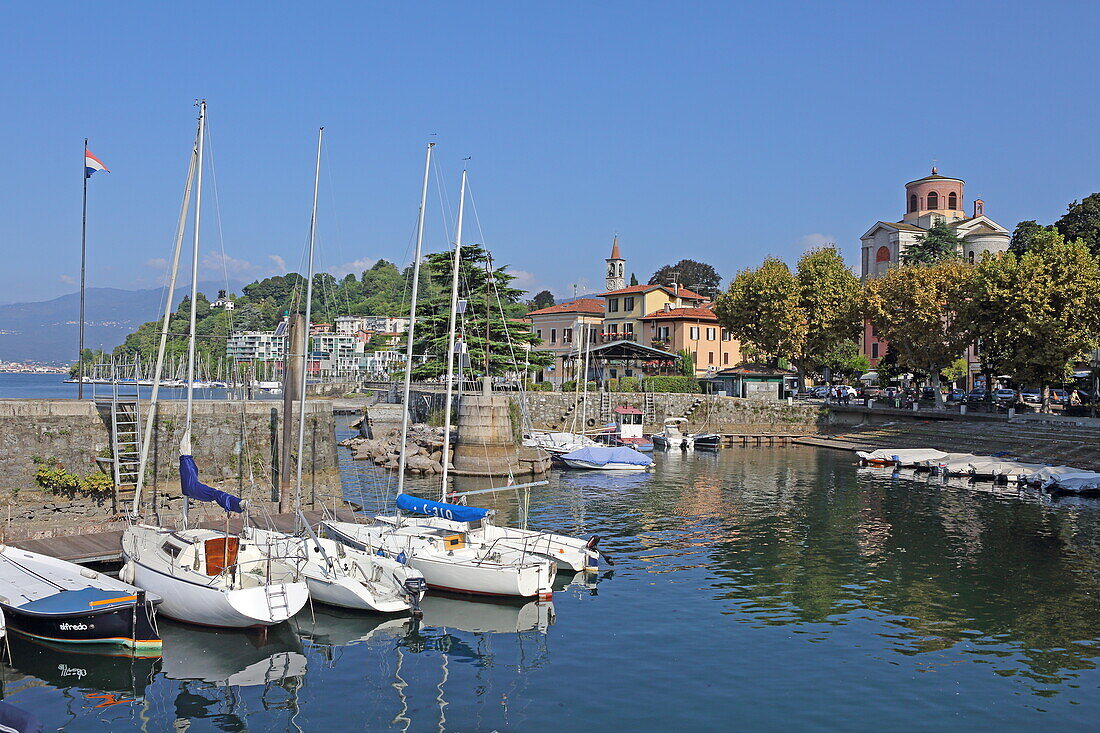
{"x": 616, "y": 268}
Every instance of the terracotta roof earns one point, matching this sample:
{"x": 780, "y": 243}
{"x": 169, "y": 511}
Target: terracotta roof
{"x": 590, "y": 306}
{"x": 682, "y": 292}
{"x": 904, "y": 226}
{"x": 960, "y": 222}
{"x": 615, "y": 250}
{"x": 694, "y": 314}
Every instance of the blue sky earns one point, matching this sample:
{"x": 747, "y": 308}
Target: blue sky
{"x": 718, "y": 131}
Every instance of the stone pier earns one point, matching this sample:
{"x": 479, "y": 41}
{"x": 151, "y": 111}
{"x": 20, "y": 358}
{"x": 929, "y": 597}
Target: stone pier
{"x": 489, "y": 444}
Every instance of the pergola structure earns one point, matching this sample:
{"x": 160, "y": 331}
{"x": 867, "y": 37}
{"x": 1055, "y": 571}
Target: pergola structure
{"x": 620, "y": 356}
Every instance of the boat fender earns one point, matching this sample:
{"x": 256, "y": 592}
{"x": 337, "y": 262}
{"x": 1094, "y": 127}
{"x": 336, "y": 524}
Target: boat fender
{"x": 126, "y": 574}
{"x": 381, "y": 552}
{"x": 401, "y": 558}
{"x": 591, "y": 422}
{"x": 89, "y": 573}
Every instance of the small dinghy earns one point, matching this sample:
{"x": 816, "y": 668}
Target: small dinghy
{"x": 58, "y": 601}
{"x": 556, "y": 443}
{"x": 671, "y": 437}
{"x": 706, "y": 441}
{"x": 599, "y": 458}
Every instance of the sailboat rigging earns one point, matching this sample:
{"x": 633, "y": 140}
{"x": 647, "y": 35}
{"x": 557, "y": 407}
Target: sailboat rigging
{"x": 335, "y": 574}
{"x": 203, "y": 576}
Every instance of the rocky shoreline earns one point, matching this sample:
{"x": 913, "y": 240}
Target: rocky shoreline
{"x": 424, "y": 449}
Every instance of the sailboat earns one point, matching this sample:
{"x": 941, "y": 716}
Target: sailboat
{"x": 443, "y": 548}
{"x": 202, "y": 576}
{"x": 336, "y": 574}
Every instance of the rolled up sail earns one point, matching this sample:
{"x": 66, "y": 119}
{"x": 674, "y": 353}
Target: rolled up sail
{"x": 454, "y": 512}
{"x": 192, "y": 487}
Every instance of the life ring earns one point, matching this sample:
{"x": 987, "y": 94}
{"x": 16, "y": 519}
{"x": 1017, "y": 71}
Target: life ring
{"x": 591, "y": 422}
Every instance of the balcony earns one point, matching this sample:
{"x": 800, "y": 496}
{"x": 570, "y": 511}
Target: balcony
{"x": 607, "y": 338}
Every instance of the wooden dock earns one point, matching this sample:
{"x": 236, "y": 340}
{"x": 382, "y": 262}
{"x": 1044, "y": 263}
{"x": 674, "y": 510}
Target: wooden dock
{"x": 766, "y": 439}
{"x": 98, "y": 547}
{"x": 839, "y": 442}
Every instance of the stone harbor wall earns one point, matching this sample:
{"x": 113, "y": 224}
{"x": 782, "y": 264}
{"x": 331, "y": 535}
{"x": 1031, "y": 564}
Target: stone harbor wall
{"x": 235, "y": 446}
{"x": 704, "y": 413}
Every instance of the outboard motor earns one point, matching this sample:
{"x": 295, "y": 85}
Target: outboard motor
{"x": 592, "y": 555}
{"x": 416, "y": 587}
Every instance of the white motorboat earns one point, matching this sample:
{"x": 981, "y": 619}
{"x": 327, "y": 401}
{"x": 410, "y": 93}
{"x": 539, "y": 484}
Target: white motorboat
{"x": 58, "y": 601}
{"x": 901, "y": 456}
{"x": 671, "y": 437}
{"x": 342, "y": 576}
{"x": 602, "y": 458}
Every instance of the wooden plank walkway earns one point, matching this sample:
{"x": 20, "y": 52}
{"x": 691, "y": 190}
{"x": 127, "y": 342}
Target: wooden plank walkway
{"x": 95, "y": 547}
{"x": 839, "y": 442}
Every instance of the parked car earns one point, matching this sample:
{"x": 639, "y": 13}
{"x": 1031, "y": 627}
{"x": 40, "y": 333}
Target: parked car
{"x": 870, "y": 392}
{"x": 848, "y": 390}
{"x": 929, "y": 394}
{"x": 1004, "y": 396}
{"x": 974, "y": 396}
{"x": 822, "y": 390}
{"x": 890, "y": 392}
{"x": 956, "y": 395}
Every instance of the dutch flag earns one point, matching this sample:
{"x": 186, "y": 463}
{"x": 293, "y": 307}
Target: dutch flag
{"x": 92, "y": 164}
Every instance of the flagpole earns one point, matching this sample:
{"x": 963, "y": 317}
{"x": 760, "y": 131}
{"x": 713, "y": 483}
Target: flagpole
{"x": 83, "y": 263}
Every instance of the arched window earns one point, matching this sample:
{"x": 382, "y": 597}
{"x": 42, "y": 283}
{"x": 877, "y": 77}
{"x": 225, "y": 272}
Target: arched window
{"x": 970, "y": 257}
{"x": 952, "y": 201}
{"x": 913, "y": 202}
{"x": 883, "y": 254}
{"x": 933, "y": 200}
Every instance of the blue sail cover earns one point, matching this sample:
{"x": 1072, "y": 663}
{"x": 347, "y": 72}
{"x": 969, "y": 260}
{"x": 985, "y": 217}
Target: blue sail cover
{"x": 454, "y": 512}
{"x": 189, "y": 482}
{"x": 601, "y": 456}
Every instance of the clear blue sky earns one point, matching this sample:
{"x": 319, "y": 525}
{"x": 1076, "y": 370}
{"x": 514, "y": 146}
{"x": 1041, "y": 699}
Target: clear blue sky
{"x": 719, "y": 131}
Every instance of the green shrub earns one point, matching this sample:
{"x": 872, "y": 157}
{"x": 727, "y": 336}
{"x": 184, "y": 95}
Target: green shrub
{"x": 538, "y": 386}
{"x": 672, "y": 384}
{"x": 613, "y": 385}
{"x": 629, "y": 384}
{"x": 52, "y": 476}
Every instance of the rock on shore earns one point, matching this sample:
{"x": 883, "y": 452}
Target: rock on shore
{"x": 424, "y": 450}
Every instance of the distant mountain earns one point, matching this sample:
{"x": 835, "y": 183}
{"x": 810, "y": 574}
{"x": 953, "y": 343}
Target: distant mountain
{"x": 47, "y": 331}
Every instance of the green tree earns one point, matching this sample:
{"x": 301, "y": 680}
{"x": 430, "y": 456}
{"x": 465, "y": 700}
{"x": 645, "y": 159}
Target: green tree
{"x": 697, "y": 276}
{"x": 1082, "y": 221}
{"x": 829, "y": 305}
{"x": 845, "y": 358}
{"x": 1024, "y": 235}
{"x": 542, "y": 299}
{"x": 938, "y": 244}
{"x": 502, "y": 330}
{"x": 917, "y": 309}
{"x": 686, "y": 363}
{"x": 1037, "y": 313}
{"x": 633, "y": 279}
{"x": 956, "y": 371}
{"x": 761, "y": 309}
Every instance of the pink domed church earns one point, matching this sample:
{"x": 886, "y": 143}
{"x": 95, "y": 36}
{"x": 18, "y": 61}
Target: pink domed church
{"x": 929, "y": 201}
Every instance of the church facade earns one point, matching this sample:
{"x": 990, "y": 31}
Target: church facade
{"x": 929, "y": 201}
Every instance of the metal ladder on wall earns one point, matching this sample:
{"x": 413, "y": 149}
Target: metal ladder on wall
{"x": 605, "y": 407}
{"x": 649, "y": 408}
{"x": 124, "y": 406}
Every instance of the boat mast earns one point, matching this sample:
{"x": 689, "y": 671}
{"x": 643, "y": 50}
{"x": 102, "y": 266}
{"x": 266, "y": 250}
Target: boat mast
{"x": 181, "y": 225}
{"x": 194, "y": 289}
{"x": 309, "y": 312}
{"x": 451, "y": 339}
{"x": 412, "y": 323}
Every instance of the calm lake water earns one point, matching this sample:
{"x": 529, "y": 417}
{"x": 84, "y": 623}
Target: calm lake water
{"x": 761, "y": 589}
{"x": 53, "y": 386}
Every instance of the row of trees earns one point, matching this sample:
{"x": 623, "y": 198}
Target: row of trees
{"x": 1031, "y": 314}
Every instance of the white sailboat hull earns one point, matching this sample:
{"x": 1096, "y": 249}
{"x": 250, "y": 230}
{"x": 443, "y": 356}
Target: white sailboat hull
{"x": 253, "y": 593}
{"x": 356, "y": 580}
{"x": 458, "y": 572}
{"x": 572, "y": 463}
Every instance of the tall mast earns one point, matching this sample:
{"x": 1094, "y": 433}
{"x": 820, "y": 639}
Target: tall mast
{"x": 181, "y": 225}
{"x": 309, "y": 309}
{"x": 194, "y": 287}
{"x": 451, "y": 338}
{"x": 412, "y": 322}
{"x": 83, "y": 262}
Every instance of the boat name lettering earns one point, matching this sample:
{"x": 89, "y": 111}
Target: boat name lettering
{"x": 67, "y": 671}
{"x": 66, "y": 626}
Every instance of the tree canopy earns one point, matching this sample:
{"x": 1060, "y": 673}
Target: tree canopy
{"x": 940, "y": 243}
{"x": 1082, "y": 221}
{"x": 760, "y": 308}
{"x": 542, "y": 299}
{"x": 829, "y": 304}
{"x": 1023, "y": 236}
{"x": 504, "y": 333}
{"x": 917, "y": 309}
{"x": 697, "y": 276}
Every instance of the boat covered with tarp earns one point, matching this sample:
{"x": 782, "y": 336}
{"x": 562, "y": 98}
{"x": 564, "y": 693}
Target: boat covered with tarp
{"x": 901, "y": 456}
{"x": 600, "y": 458}
{"x": 1065, "y": 478}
